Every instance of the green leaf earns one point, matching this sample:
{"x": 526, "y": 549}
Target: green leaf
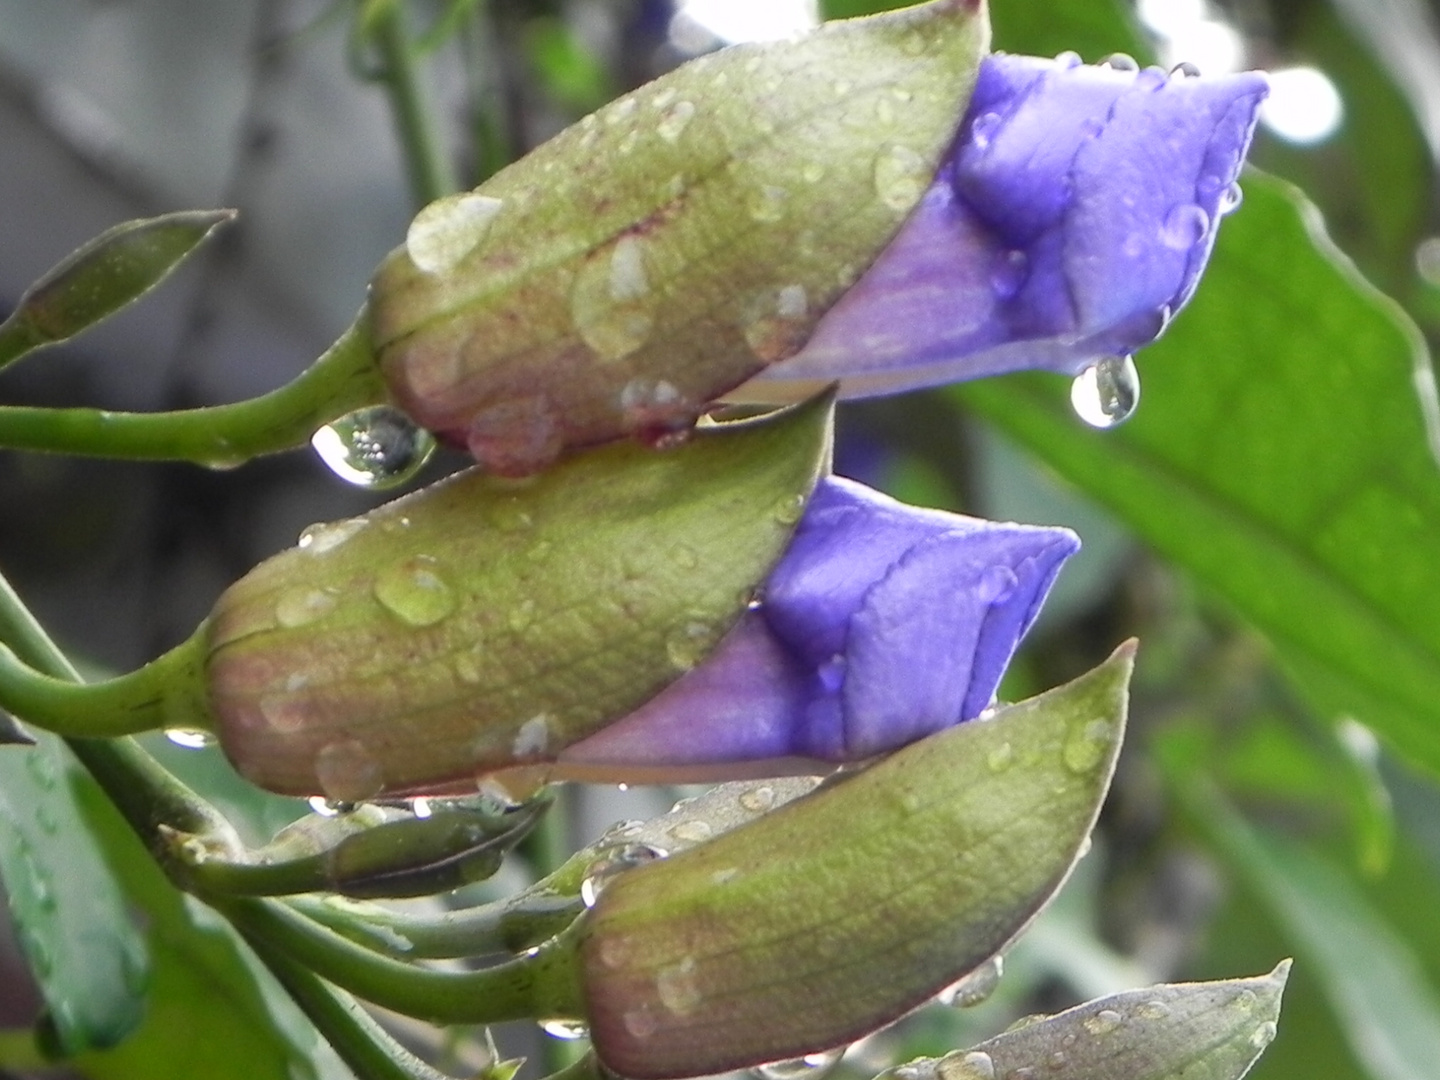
{"x": 1281, "y": 456}
{"x": 481, "y": 623}
{"x": 71, "y": 918}
{"x": 1390, "y": 1012}
{"x": 110, "y": 272}
{"x": 1194, "y": 1031}
{"x": 842, "y": 910}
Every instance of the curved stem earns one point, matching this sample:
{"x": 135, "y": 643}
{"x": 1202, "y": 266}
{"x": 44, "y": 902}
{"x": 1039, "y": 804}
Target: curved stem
{"x": 431, "y": 172}
{"x": 345, "y": 378}
{"x": 543, "y": 983}
{"x": 167, "y": 692}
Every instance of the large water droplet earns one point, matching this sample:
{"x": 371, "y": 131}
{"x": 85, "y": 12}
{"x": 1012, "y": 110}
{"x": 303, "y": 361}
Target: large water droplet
{"x": 1153, "y": 1010}
{"x": 448, "y": 229}
{"x": 1185, "y": 226}
{"x": 414, "y": 592}
{"x": 675, "y": 119}
{"x": 975, "y": 987}
{"x": 1107, "y": 392}
{"x": 1103, "y": 1022}
{"x": 677, "y": 987}
{"x": 1263, "y": 1035}
{"x": 190, "y": 738}
{"x": 347, "y": 772}
{"x": 1120, "y": 62}
{"x": 976, "y": 1065}
{"x": 901, "y": 177}
{"x": 565, "y": 1029}
{"x": 1068, "y": 60}
{"x": 1086, "y": 745}
{"x": 810, "y": 1067}
{"x": 758, "y": 799}
{"x": 375, "y": 447}
{"x": 303, "y": 605}
{"x": 613, "y": 862}
{"x": 611, "y": 301}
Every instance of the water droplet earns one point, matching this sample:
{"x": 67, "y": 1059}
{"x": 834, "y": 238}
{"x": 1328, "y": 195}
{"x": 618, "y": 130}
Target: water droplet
{"x": 1001, "y": 758}
{"x": 1068, "y": 59}
{"x": 328, "y": 808}
{"x": 640, "y": 1023}
{"x": 675, "y": 119}
{"x": 449, "y": 229}
{"x": 285, "y": 712}
{"x": 777, "y": 324}
{"x": 1245, "y": 1001}
{"x": 1102, "y": 1022}
{"x": 301, "y": 606}
{"x": 565, "y": 1029}
{"x": 1263, "y": 1035}
{"x": 976, "y": 1065}
{"x": 901, "y": 177}
{"x": 1120, "y": 62}
{"x": 375, "y": 447}
{"x": 1230, "y": 199}
{"x": 533, "y": 738}
{"x": 347, "y": 772}
{"x": 767, "y": 203}
{"x": 677, "y": 989}
{"x": 1008, "y": 273}
{"x": 691, "y": 832}
{"x": 983, "y": 129}
{"x": 975, "y": 987}
{"x": 1153, "y": 1010}
{"x": 414, "y": 592}
{"x": 1185, "y": 226}
{"x": 996, "y": 585}
{"x": 809, "y": 1067}
{"x": 758, "y": 800}
{"x": 327, "y": 536}
{"x": 1184, "y": 70}
{"x": 190, "y": 738}
{"x": 611, "y": 301}
{"x": 656, "y": 412}
{"x": 789, "y": 510}
{"x": 1087, "y": 745}
{"x": 516, "y": 437}
{"x": 689, "y": 644}
{"x": 613, "y": 862}
{"x": 1107, "y": 392}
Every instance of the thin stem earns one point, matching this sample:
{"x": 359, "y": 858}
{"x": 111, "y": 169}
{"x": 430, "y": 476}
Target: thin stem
{"x": 367, "y": 1048}
{"x": 506, "y": 926}
{"x": 167, "y": 692}
{"x": 431, "y": 172}
{"x": 345, "y": 378}
{"x": 543, "y": 983}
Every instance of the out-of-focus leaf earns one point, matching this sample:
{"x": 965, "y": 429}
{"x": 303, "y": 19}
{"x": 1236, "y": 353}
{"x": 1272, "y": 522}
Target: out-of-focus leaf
{"x": 1043, "y": 28}
{"x": 1389, "y": 1011}
{"x": 1198, "y": 1031}
{"x": 1281, "y": 455}
{"x": 85, "y": 952}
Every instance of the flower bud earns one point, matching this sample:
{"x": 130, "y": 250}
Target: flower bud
{"x": 620, "y": 278}
{"x": 839, "y": 912}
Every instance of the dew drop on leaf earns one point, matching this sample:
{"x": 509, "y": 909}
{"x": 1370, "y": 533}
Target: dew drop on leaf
{"x": 376, "y": 447}
{"x": 975, "y": 987}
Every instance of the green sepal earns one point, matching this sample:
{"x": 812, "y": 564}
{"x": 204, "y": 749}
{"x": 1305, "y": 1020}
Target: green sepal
{"x": 841, "y": 911}
{"x": 624, "y": 275}
{"x": 1183, "y": 1031}
{"x": 106, "y": 274}
{"x": 484, "y": 623}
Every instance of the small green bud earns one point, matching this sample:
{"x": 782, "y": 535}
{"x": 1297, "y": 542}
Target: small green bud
{"x": 626, "y": 274}
{"x": 484, "y": 623}
{"x": 840, "y": 911}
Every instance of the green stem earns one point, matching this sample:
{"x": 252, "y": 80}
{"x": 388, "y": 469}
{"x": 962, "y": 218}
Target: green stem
{"x": 367, "y": 1048}
{"x": 506, "y": 926}
{"x": 543, "y": 983}
{"x": 167, "y": 692}
{"x": 431, "y": 173}
{"x": 345, "y": 378}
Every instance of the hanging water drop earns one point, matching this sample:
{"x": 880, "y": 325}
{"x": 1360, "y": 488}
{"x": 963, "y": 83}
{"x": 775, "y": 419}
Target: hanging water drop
{"x": 612, "y": 863}
{"x": 975, "y": 987}
{"x": 810, "y": 1067}
{"x": 565, "y": 1029}
{"x": 190, "y": 738}
{"x": 375, "y": 447}
{"x": 1230, "y": 199}
{"x": 1107, "y": 392}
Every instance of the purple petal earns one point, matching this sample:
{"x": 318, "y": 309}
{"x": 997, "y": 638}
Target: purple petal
{"x": 1072, "y": 220}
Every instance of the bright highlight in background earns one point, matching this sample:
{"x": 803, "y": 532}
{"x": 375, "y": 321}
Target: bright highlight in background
{"x": 1303, "y": 106}
{"x": 751, "y": 20}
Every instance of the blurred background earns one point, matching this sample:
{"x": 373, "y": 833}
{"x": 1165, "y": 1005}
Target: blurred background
{"x": 1305, "y": 838}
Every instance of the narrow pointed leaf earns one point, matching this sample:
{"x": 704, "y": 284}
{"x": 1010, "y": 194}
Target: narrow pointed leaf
{"x": 844, "y": 909}
{"x": 110, "y": 272}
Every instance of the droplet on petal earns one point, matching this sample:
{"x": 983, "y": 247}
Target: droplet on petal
{"x": 1184, "y": 226}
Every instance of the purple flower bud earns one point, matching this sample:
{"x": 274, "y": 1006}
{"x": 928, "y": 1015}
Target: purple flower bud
{"x": 1071, "y": 220}
{"x": 882, "y": 624}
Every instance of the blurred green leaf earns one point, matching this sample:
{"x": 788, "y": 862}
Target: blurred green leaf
{"x": 86, "y": 954}
{"x": 568, "y": 71}
{"x": 1389, "y": 1011}
{"x": 1281, "y": 456}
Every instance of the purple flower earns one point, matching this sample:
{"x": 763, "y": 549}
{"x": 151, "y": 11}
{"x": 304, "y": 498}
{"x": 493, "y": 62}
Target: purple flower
{"x": 882, "y": 624}
{"x": 1070, "y": 222}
